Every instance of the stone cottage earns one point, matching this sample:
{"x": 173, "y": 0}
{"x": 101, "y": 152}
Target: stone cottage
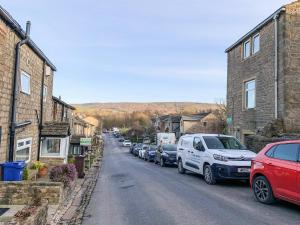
{"x": 26, "y": 81}
{"x": 56, "y": 133}
{"x": 263, "y": 85}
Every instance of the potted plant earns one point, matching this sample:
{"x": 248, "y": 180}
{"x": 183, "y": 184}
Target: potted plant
{"x": 41, "y": 167}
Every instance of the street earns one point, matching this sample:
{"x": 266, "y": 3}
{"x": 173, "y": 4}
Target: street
{"x": 131, "y": 191}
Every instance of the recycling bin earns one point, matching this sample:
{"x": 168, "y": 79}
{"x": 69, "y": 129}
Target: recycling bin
{"x": 13, "y": 171}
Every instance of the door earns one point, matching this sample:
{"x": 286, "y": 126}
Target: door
{"x": 284, "y": 166}
{"x": 198, "y": 153}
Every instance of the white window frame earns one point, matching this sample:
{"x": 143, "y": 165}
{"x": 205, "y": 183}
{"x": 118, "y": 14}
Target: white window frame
{"x": 45, "y": 93}
{"x": 244, "y": 49}
{"x": 24, "y": 146}
{"x": 246, "y": 90}
{"x": 253, "y": 42}
{"x": 63, "y": 152}
{"x": 29, "y": 87}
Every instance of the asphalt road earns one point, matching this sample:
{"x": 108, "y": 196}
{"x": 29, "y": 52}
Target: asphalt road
{"x": 130, "y": 191}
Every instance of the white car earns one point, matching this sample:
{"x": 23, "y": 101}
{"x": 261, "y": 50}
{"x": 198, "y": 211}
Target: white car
{"x": 143, "y": 151}
{"x": 216, "y": 157}
{"x": 126, "y": 143}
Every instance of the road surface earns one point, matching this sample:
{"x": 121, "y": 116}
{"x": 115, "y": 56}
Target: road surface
{"x": 131, "y": 191}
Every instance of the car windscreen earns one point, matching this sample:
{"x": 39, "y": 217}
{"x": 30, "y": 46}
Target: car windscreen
{"x": 219, "y": 142}
{"x": 145, "y": 147}
{"x": 169, "y": 147}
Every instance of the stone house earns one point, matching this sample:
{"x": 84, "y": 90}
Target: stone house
{"x": 199, "y": 123}
{"x": 172, "y": 124}
{"x": 263, "y": 85}
{"x": 26, "y": 81}
{"x": 56, "y": 133}
{"x": 160, "y": 123}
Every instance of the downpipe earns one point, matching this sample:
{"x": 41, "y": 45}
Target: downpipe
{"x": 16, "y": 79}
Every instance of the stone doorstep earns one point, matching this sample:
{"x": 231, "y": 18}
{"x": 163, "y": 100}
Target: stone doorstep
{"x": 9, "y": 214}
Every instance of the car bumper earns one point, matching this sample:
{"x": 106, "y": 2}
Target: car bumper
{"x": 170, "y": 160}
{"x": 223, "y": 172}
{"x": 150, "y": 157}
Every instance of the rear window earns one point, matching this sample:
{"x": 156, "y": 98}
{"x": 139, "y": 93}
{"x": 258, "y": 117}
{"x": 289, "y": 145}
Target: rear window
{"x": 169, "y": 148}
{"x": 289, "y": 152}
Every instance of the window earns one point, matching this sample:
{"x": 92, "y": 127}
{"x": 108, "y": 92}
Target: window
{"x": 223, "y": 142}
{"x": 250, "y": 94}
{"x": 76, "y": 150}
{"x": 288, "y": 152}
{"x": 51, "y": 147}
{"x": 255, "y": 43}
{"x": 197, "y": 144}
{"x": 45, "y": 93}
{"x": 270, "y": 152}
{"x": 25, "y": 83}
{"x": 246, "y": 49}
{"x": 23, "y": 149}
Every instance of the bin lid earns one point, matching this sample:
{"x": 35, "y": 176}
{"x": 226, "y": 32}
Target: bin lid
{"x": 16, "y": 164}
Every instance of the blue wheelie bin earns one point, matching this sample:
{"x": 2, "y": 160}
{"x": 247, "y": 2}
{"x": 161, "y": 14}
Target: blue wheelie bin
{"x": 13, "y": 171}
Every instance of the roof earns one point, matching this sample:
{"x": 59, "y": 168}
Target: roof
{"x": 63, "y": 103}
{"x": 10, "y": 21}
{"x": 56, "y": 129}
{"x": 175, "y": 119}
{"x": 75, "y": 139}
{"x": 255, "y": 29}
{"x": 194, "y": 117}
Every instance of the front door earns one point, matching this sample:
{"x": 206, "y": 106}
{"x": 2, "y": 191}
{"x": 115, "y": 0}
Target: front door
{"x": 285, "y": 168}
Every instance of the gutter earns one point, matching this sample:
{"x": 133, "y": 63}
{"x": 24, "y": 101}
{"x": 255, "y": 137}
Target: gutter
{"x": 16, "y": 79}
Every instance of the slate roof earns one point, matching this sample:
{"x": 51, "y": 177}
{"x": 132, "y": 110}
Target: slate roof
{"x": 75, "y": 139}
{"x": 56, "y": 129}
{"x": 195, "y": 117}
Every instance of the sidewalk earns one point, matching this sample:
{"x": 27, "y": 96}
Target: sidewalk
{"x": 72, "y": 211}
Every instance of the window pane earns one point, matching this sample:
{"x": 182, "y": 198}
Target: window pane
{"x": 23, "y": 154}
{"x": 51, "y": 148}
{"x": 250, "y": 85}
{"x": 246, "y": 49}
{"x": 287, "y": 152}
{"x": 45, "y": 93}
{"x": 256, "y": 43}
{"x": 25, "y": 83}
{"x": 250, "y": 94}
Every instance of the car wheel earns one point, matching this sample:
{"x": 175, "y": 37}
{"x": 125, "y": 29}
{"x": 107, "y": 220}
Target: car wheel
{"x": 208, "y": 175}
{"x": 180, "y": 167}
{"x": 162, "y": 162}
{"x": 262, "y": 190}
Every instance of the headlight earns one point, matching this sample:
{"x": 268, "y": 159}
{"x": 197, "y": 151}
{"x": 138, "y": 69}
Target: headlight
{"x": 165, "y": 154}
{"x": 220, "y": 158}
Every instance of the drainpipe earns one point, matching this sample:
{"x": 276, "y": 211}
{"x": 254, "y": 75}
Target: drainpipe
{"x": 276, "y": 17}
{"x": 41, "y": 111}
{"x": 16, "y": 79}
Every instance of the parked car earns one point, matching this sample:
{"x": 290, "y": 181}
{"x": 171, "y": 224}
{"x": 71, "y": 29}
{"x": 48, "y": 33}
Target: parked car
{"x": 150, "y": 153}
{"x": 136, "y": 149}
{"x": 275, "y": 173}
{"x": 166, "y": 154}
{"x": 132, "y": 147}
{"x": 143, "y": 150}
{"x": 121, "y": 139}
{"x": 216, "y": 157}
{"x": 126, "y": 143}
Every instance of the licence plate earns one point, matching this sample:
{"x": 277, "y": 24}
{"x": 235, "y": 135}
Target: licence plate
{"x": 244, "y": 170}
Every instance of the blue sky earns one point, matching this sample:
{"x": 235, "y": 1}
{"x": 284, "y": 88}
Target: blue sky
{"x": 138, "y": 50}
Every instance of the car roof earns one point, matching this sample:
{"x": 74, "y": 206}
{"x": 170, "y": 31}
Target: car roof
{"x": 203, "y": 134}
{"x": 285, "y": 142}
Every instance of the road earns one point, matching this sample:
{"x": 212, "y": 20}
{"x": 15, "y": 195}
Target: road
{"x": 130, "y": 191}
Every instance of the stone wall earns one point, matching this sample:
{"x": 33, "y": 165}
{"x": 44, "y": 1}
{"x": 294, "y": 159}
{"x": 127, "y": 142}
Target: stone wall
{"x": 22, "y": 193}
{"x": 292, "y": 68}
{"x": 28, "y": 105}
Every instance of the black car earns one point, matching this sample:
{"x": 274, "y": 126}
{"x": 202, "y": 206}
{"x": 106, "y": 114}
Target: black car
{"x": 136, "y": 149}
{"x": 121, "y": 139}
{"x": 132, "y": 147}
{"x": 150, "y": 153}
{"x": 166, "y": 154}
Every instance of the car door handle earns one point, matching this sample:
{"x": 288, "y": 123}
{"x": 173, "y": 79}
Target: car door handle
{"x": 270, "y": 164}
{"x": 181, "y": 149}
{"x": 192, "y": 152}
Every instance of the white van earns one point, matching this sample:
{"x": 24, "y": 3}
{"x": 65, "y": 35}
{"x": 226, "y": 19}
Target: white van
{"x": 217, "y": 157}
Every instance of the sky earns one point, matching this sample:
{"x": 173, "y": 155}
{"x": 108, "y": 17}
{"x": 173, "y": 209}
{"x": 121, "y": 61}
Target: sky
{"x": 139, "y": 50}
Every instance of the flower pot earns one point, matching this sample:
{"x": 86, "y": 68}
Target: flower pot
{"x": 43, "y": 171}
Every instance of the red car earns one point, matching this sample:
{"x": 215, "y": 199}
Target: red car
{"x": 275, "y": 173}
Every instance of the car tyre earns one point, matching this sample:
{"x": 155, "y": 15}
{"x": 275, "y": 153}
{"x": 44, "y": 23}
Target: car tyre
{"x": 162, "y": 162}
{"x": 209, "y": 177}
{"x": 262, "y": 190}
{"x": 181, "y": 170}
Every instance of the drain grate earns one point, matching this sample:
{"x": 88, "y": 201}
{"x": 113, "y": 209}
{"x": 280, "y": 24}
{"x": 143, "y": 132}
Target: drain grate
{"x": 3, "y": 210}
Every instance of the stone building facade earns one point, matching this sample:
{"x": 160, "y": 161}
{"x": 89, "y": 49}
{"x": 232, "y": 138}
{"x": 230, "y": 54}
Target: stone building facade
{"x": 263, "y": 85}
{"x": 34, "y": 65}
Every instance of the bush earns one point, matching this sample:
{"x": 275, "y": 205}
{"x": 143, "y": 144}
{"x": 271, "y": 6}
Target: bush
{"x": 65, "y": 173}
{"x": 25, "y": 174}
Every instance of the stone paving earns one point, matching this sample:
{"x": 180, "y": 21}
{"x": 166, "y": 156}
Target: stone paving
{"x": 72, "y": 211}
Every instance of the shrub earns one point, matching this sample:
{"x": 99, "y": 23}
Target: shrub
{"x": 65, "y": 173}
{"x": 25, "y": 174}
{"x": 37, "y": 165}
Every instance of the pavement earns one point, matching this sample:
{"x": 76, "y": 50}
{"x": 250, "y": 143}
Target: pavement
{"x": 130, "y": 191}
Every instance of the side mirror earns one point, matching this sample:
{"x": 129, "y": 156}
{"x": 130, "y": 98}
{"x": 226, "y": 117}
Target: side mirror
{"x": 200, "y": 148}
